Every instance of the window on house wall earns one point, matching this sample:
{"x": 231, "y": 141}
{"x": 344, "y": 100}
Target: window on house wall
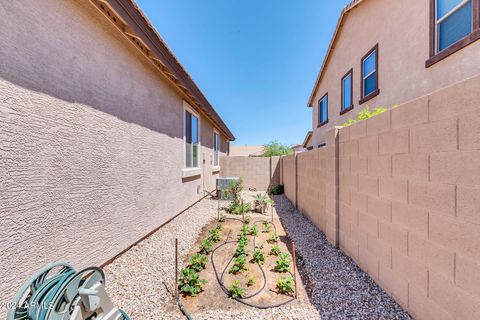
{"x": 323, "y": 110}
{"x": 347, "y": 92}
{"x": 369, "y": 80}
{"x": 216, "y": 147}
{"x": 454, "y": 24}
{"x": 191, "y": 140}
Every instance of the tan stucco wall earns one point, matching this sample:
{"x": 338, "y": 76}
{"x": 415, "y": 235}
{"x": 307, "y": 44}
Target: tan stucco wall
{"x": 91, "y": 141}
{"x": 245, "y": 151}
{"x": 256, "y": 172}
{"x": 401, "y": 28}
{"x": 408, "y": 199}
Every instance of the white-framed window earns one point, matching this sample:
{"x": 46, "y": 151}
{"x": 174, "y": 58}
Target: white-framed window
{"x": 191, "y": 137}
{"x": 453, "y": 22}
{"x": 216, "y": 148}
{"x": 323, "y": 110}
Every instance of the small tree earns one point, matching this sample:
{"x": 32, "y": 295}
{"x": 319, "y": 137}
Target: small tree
{"x": 276, "y": 148}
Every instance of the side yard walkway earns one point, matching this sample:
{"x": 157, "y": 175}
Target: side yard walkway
{"x": 337, "y": 287}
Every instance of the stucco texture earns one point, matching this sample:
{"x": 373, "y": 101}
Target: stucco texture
{"x": 401, "y": 29}
{"x": 91, "y": 141}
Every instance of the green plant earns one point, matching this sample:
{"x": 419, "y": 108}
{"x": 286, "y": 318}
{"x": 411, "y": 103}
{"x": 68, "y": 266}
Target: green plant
{"x": 244, "y": 230}
{"x": 275, "y": 250}
{"x": 365, "y": 114}
{"x": 247, "y": 219}
{"x": 221, "y": 218}
{"x": 234, "y": 190}
{"x": 266, "y": 226}
{"x": 254, "y": 230}
{"x": 238, "y": 264}
{"x": 239, "y": 207}
{"x": 214, "y": 234}
{"x": 240, "y": 251}
{"x": 251, "y": 281}
{"x": 277, "y": 189}
{"x": 283, "y": 263}
{"x": 276, "y": 148}
{"x": 261, "y": 201}
{"x": 258, "y": 257}
{"x": 285, "y": 285}
{"x": 198, "y": 262}
{"x": 206, "y": 246}
{"x": 190, "y": 282}
{"x": 236, "y": 291}
{"x": 274, "y": 238}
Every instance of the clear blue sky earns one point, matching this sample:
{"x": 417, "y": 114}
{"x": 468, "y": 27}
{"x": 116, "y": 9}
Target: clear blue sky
{"x": 256, "y": 61}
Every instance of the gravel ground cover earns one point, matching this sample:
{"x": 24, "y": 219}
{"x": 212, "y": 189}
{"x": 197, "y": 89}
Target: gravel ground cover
{"x": 336, "y": 285}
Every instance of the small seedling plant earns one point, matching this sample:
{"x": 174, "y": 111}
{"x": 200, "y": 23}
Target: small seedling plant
{"x": 266, "y": 226}
{"x": 236, "y": 291}
{"x": 214, "y": 234}
{"x": 283, "y": 263}
{"x": 190, "y": 282}
{"x": 206, "y": 246}
{"x": 251, "y": 281}
{"x": 254, "y": 230}
{"x": 247, "y": 219}
{"x": 238, "y": 264}
{"x": 198, "y": 262}
{"x": 285, "y": 285}
{"x": 221, "y": 218}
{"x": 274, "y": 238}
{"x": 258, "y": 257}
{"x": 275, "y": 251}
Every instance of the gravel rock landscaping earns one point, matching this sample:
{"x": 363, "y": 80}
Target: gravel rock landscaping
{"x": 141, "y": 280}
{"x": 337, "y": 287}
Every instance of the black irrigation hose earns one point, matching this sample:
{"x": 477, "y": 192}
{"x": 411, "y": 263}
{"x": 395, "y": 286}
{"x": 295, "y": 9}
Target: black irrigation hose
{"x": 225, "y": 289}
{"x": 182, "y": 308}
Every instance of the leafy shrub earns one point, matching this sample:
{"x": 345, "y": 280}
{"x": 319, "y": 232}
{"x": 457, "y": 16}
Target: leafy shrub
{"x": 258, "y": 257}
{"x": 364, "y": 115}
{"x": 206, "y": 246}
{"x": 266, "y": 226}
{"x": 236, "y": 291}
{"x": 285, "y": 285}
{"x": 275, "y": 250}
{"x": 198, "y": 262}
{"x": 190, "y": 282}
{"x": 238, "y": 208}
{"x": 251, "y": 281}
{"x": 254, "y": 230}
{"x": 283, "y": 263}
{"x": 277, "y": 189}
{"x": 234, "y": 190}
{"x": 276, "y": 148}
{"x": 238, "y": 264}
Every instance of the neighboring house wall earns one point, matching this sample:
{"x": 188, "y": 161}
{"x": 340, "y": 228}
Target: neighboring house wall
{"x": 401, "y": 29}
{"x": 91, "y": 141}
{"x": 256, "y": 172}
{"x": 408, "y": 199}
{"x": 245, "y": 151}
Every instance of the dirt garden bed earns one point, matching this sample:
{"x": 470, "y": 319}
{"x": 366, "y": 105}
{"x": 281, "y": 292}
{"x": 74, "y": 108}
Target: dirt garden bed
{"x": 266, "y": 282}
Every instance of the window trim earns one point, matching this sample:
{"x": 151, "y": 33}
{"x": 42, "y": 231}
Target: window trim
{"x": 375, "y": 93}
{"x": 460, "y": 44}
{"x": 320, "y": 124}
{"x": 342, "y": 110}
{"x": 187, "y": 107}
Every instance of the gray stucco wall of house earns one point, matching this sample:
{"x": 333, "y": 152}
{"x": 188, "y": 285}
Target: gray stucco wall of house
{"x": 91, "y": 141}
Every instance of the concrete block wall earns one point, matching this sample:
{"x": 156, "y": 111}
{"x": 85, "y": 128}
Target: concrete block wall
{"x": 257, "y": 172}
{"x": 289, "y": 177}
{"x": 406, "y": 190}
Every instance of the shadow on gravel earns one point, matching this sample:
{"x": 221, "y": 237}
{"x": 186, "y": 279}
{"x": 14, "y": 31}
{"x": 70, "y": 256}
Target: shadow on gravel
{"x": 336, "y": 286}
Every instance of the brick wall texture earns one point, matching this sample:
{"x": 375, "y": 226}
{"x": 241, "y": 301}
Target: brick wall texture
{"x": 405, "y": 186}
{"x": 256, "y": 172}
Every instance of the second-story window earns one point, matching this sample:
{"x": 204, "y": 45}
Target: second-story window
{"x": 347, "y": 92}
{"x": 323, "y": 110}
{"x": 453, "y": 22}
{"x": 369, "y": 86}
